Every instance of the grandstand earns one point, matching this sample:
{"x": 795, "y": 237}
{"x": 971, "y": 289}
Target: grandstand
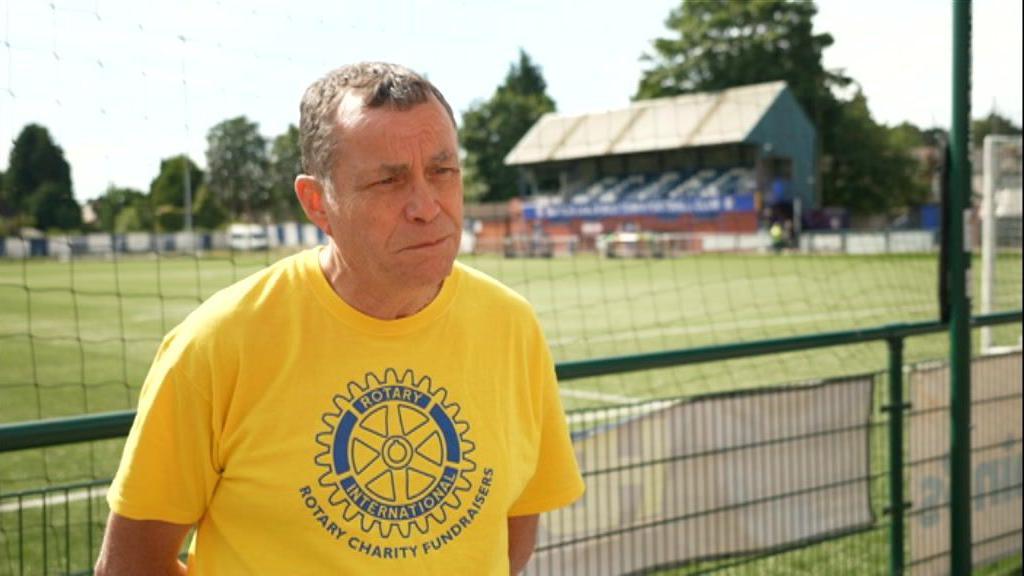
{"x": 721, "y": 161}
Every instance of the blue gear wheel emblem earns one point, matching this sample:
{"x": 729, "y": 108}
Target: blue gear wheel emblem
{"x": 395, "y": 454}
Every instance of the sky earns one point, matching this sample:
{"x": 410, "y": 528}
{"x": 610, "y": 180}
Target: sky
{"x": 121, "y": 84}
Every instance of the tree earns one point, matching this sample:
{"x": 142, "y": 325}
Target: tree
{"x": 718, "y": 45}
{"x": 992, "y": 124}
{"x": 167, "y": 191}
{"x": 490, "y": 129}
{"x": 8, "y": 226}
{"x": 908, "y": 135}
{"x": 925, "y": 147}
{"x": 208, "y": 213}
{"x": 53, "y": 207}
{"x": 134, "y": 218}
{"x": 137, "y": 216}
{"x": 236, "y": 160}
{"x": 168, "y": 188}
{"x": 3, "y": 195}
{"x": 473, "y": 186}
{"x": 112, "y": 202}
{"x": 285, "y": 165}
{"x": 37, "y": 184}
{"x": 876, "y": 173}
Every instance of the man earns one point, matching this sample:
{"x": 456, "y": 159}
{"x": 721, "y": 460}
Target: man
{"x": 370, "y": 407}
{"x": 775, "y": 232}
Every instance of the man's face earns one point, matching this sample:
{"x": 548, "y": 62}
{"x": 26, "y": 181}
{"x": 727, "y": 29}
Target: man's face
{"x": 395, "y": 212}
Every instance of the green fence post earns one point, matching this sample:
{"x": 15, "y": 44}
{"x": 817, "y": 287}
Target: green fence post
{"x": 959, "y": 318}
{"x": 895, "y": 408}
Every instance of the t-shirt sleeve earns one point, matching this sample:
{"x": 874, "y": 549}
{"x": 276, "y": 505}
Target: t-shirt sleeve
{"x": 169, "y": 467}
{"x": 556, "y": 481}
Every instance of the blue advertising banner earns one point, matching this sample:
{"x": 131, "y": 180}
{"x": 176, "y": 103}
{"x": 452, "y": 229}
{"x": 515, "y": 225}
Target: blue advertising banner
{"x": 663, "y": 207}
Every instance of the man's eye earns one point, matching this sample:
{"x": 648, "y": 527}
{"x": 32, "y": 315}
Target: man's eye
{"x": 386, "y": 181}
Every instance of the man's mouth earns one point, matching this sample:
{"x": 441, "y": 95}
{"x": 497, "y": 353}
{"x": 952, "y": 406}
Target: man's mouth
{"x": 428, "y": 244}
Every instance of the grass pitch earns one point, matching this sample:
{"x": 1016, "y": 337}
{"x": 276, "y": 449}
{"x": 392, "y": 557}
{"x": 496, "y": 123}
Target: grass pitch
{"x": 77, "y": 337}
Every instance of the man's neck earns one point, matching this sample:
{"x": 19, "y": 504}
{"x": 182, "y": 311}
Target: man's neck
{"x": 373, "y": 298}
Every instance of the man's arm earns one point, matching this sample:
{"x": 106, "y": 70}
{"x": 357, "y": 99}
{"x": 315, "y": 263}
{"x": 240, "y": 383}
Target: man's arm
{"x": 522, "y": 536}
{"x": 133, "y": 547}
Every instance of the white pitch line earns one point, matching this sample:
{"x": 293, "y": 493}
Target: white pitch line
{"x": 619, "y": 412}
{"x": 996, "y": 350}
{"x": 599, "y": 396}
{"x": 705, "y": 328}
{"x": 57, "y": 498}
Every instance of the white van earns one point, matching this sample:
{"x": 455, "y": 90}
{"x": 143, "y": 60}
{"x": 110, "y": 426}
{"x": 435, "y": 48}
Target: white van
{"x": 247, "y": 237}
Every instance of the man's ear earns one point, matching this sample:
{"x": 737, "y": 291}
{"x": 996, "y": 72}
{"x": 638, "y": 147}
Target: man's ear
{"x": 311, "y": 195}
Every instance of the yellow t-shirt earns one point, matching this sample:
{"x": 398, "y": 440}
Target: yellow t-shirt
{"x": 304, "y": 437}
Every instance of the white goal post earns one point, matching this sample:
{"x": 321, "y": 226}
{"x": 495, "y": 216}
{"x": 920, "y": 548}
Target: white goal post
{"x": 1000, "y": 216}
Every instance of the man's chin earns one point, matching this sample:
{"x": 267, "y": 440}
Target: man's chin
{"x": 429, "y": 274}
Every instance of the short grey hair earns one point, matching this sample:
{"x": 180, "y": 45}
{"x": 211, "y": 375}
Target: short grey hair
{"x": 380, "y": 84}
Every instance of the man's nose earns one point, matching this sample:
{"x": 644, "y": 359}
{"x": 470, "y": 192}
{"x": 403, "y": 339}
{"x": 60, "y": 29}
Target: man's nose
{"x": 422, "y": 205}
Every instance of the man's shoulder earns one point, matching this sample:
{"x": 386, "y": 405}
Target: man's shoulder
{"x": 237, "y": 305}
{"x": 484, "y": 287}
{"x": 486, "y": 299}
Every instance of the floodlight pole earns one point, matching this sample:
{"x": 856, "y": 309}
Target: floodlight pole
{"x": 959, "y": 298}
{"x": 187, "y": 185}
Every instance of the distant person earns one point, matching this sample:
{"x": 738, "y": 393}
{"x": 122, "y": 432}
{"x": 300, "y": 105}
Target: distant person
{"x": 777, "y": 236}
{"x": 366, "y": 407}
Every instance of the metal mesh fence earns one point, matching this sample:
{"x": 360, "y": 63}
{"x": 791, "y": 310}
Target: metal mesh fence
{"x": 691, "y": 221}
{"x": 782, "y": 480}
{"x": 995, "y": 463}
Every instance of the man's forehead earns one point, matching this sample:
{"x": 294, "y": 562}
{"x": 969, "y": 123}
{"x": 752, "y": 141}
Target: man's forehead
{"x": 427, "y": 124}
{"x": 439, "y": 158}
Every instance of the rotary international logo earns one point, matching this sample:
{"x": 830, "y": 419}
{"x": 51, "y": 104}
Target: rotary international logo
{"x": 395, "y": 460}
